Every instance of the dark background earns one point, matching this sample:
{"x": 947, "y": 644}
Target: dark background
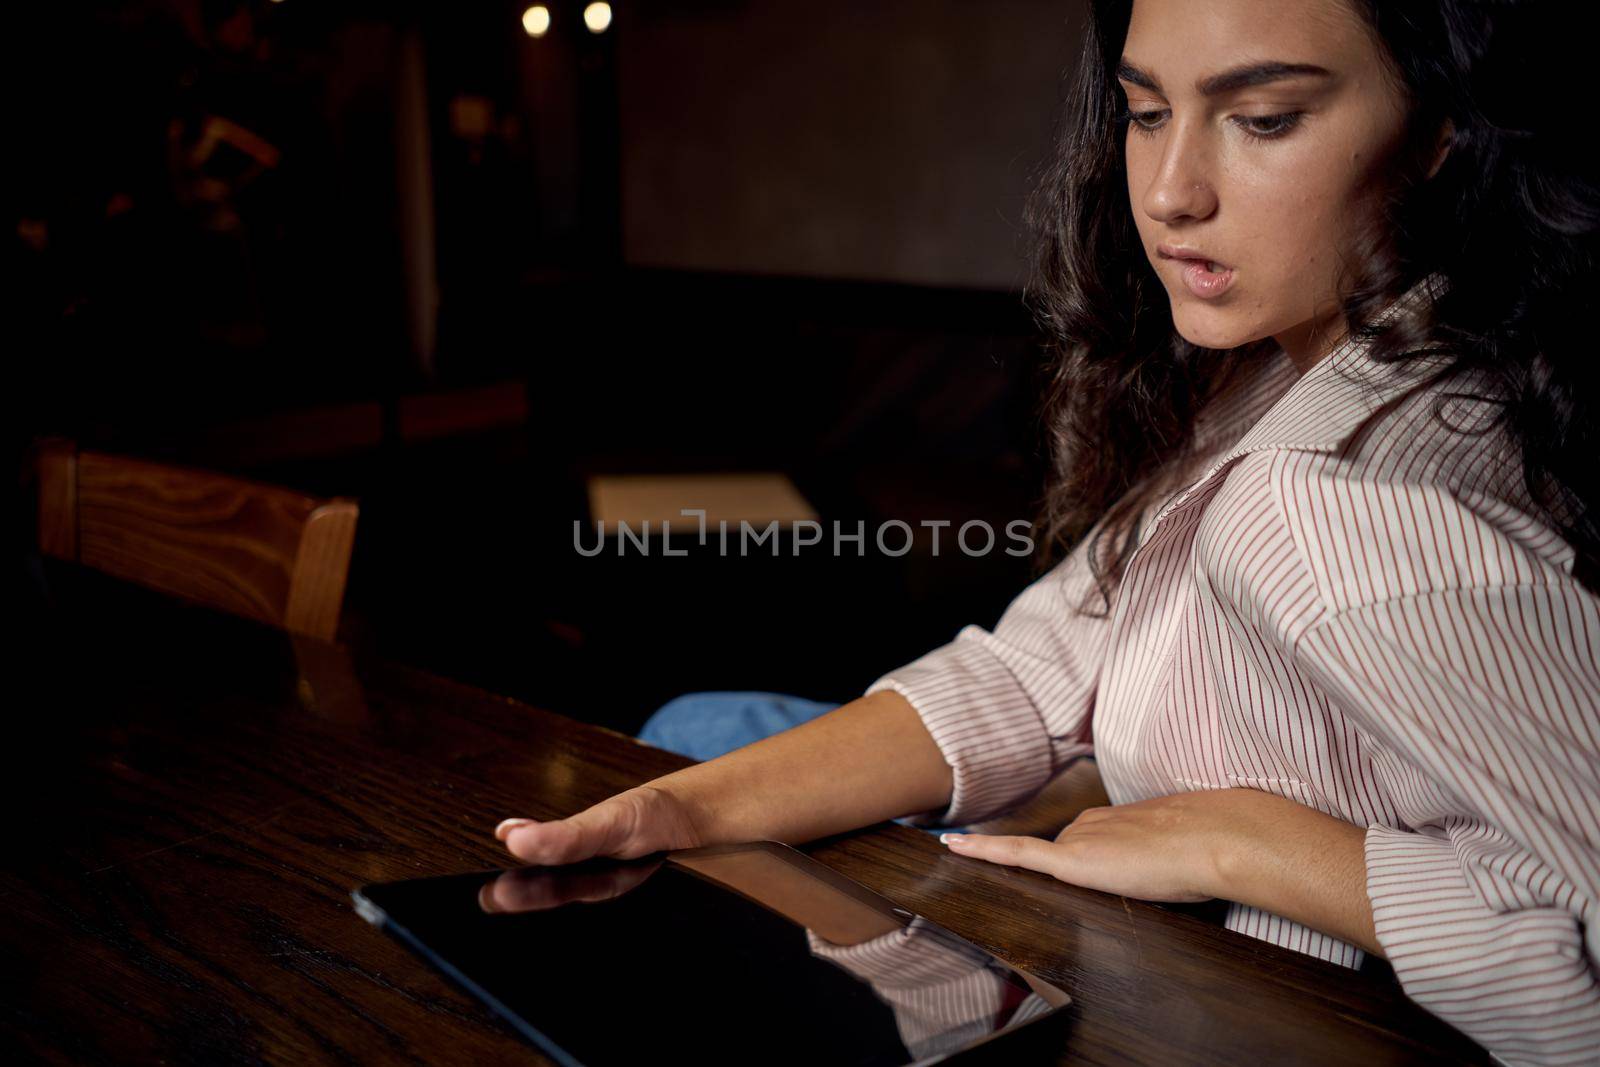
{"x": 720, "y": 235}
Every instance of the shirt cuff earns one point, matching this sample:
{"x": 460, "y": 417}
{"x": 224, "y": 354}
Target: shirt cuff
{"x": 942, "y": 990}
{"x": 985, "y": 725}
{"x": 915, "y": 955}
{"x": 1518, "y": 981}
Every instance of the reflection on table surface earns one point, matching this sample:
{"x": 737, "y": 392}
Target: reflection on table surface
{"x": 197, "y": 801}
{"x": 943, "y": 991}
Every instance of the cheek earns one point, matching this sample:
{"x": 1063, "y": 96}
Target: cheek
{"x": 1296, "y": 205}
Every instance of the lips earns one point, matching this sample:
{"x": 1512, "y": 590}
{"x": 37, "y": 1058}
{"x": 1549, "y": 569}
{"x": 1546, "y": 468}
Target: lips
{"x": 1199, "y": 255}
{"x": 1203, "y": 282}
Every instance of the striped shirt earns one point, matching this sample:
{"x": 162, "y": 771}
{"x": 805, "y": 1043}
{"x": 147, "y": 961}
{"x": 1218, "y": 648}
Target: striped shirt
{"x": 944, "y": 992}
{"x": 1354, "y": 607}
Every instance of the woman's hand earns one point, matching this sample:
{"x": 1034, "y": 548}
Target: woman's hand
{"x": 1243, "y": 845}
{"x": 634, "y": 823}
{"x": 1162, "y": 849}
{"x": 542, "y": 888}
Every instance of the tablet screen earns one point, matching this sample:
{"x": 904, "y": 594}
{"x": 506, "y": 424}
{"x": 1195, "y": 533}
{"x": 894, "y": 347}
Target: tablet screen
{"x": 730, "y": 954}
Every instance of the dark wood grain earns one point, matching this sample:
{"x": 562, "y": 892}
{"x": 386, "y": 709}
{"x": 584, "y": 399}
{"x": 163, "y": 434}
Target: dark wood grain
{"x": 194, "y": 812}
{"x": 260, "y": 551}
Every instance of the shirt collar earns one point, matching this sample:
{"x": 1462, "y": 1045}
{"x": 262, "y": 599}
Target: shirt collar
{"x": 1320, "y": 410}
{"x": 1327, "y": 404}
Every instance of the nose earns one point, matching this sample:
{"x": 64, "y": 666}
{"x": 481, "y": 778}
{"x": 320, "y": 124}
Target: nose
{"x": 1181, "y": 187}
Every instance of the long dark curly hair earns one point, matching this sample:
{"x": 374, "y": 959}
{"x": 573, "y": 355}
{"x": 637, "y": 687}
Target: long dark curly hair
{"x": 1509, "y": 219}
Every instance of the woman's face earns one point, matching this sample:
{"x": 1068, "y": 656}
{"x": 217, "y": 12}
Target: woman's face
{"x": 1261, "y": 171}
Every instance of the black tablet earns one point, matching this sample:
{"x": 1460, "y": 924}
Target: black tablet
{"x": 750, "y": 953}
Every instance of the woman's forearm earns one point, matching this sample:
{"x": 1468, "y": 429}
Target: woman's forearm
{"x": 867, "y": 761}
{"x": 1299, "y": 863}
{"x": 872, "y": 759}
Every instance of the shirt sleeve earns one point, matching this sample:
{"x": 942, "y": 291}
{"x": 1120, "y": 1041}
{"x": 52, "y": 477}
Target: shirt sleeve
{"x": 1481, "y": 708}
{"x": 1010, "y": 708}
{"x": 943, "y": 993}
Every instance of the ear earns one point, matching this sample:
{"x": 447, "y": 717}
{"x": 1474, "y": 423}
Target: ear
{"x": 1441, "y": 149}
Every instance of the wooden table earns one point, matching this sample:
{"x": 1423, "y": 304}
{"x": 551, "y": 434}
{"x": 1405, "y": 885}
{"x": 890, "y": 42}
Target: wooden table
{"x": 200, "y": 795}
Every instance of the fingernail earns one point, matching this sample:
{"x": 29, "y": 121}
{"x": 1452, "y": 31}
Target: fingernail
{"x": 952, "y": 839}
{"x": 509, "y": 825}
{"x": 486, "y": 898}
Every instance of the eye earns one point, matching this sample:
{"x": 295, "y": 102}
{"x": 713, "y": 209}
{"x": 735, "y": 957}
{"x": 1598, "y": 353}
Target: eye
{"x": 1143, "y": 122}
{"x": 1268, "y": 127}
{"x": 1256, "y": 127}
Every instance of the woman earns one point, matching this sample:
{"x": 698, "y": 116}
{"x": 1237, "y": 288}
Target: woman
{"x": 1328, "y": 619}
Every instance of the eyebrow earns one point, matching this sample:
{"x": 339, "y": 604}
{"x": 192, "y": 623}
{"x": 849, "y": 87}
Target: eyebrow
{"x": 1242, "y": 77}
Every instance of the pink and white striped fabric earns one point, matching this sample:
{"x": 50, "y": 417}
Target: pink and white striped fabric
{"x": 942, "y": 991}
{"x": 1353, "y": 607}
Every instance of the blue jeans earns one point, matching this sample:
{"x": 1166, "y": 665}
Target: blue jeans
{"x": 706, "y": 725}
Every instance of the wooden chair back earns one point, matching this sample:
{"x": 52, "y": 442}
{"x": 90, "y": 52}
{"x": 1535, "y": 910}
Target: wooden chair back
{"x": 260, "y": 551}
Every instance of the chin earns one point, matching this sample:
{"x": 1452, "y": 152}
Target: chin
{"x": 1211, "y": 328}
